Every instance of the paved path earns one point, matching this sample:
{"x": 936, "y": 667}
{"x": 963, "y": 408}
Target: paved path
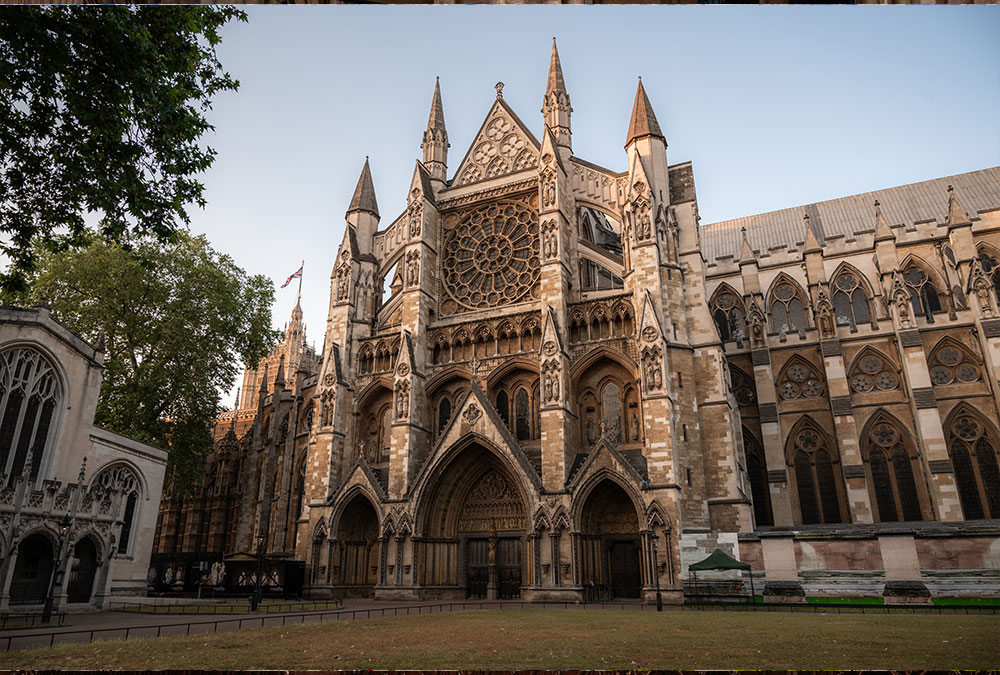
{"x": 86, "y": 627}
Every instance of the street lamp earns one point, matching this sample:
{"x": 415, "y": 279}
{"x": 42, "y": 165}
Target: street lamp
{"x": 56, "y": 577}
{"x": 656, "y": 575}
{"x": 258, "y": 591}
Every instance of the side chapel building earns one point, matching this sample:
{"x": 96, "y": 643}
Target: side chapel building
{"x": 575, "y": 390}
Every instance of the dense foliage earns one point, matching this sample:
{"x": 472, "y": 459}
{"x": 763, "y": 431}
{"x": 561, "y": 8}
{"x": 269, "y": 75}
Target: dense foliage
{"x": 102, "y": 109}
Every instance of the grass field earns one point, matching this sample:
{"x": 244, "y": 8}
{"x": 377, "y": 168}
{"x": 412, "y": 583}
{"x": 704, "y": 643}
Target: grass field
{"x": 565, "y": 639}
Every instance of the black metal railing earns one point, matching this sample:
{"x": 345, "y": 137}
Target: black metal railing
{"x": 14, "y": 621}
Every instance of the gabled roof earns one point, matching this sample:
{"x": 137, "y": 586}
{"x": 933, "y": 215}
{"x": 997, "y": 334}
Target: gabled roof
{"x": 491, "y": 149}
{"x": 905, "y": 205}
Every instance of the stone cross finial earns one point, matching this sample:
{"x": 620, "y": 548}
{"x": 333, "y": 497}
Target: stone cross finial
{"x": 499, "y": 87}
{"x": 83, "y": 471}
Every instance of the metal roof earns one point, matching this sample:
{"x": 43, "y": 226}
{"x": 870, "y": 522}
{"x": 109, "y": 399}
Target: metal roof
{"x": 905, "y": 206}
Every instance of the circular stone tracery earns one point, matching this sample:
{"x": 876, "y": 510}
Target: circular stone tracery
{"x": 491, "y": 256}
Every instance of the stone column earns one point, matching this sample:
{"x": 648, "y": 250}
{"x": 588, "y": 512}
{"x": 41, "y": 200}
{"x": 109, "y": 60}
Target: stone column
{"x": 781, "y": 573}
{"x": 903, "y": 584}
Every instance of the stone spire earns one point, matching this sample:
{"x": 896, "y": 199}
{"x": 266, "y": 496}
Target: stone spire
{"x": 812, "y": 244}
{"x": 746, "y": 252}
{"x": 364, "y": 193}
{"x": 263, "y": 384}
{"x": 279, "y": 379}
{"x": 956, "y": 214}
{"x": 643, "y": 121}
{"x": 882, "y": 229}
{"x": 556, "y": 106}
{"x": 435, "y": 144}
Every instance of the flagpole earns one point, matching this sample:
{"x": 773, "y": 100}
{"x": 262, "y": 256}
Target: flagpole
{"x": 301, "y": 269}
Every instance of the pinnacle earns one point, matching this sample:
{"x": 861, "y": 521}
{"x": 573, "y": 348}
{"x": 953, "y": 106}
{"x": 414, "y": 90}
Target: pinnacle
{"x": 956, "y": 214}
{"x": 746, "y": 253}
{"x": 556, "y": 83}
{"x": 436, "y": 119}
{"x": 643, "y": 121}
{"x": 882, "y": 229}
{"x": 364, "y": 193}
{"x": 812, "y": 242}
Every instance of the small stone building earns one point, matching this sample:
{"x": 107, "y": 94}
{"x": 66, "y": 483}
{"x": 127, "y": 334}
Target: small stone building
{"x": 573, "y": 389}
{"x": 78, "y": 503}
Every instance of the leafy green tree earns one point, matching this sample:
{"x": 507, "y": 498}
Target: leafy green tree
{"x": 102, "y": 109}
{"x": 176, "y": 318}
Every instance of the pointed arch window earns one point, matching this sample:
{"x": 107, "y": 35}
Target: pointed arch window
{"x": 730, "y": 317}
{"x": 892, "y": 477}
{"x": 444, "y": 414}
{"x": 850, "y": 302}
{"x": 787, "y": 313}
{"x": 815, "y": 477}
{"x": 29, "y": 397}
{"x": 973, "y": 451}
{"x": 611, "y": 411}
{"x": 744, "y": 389}
{"x": 799, "y": 380}
{"x": 923, "y": 294}
{"x": 757, "y": 473}
{"x": 503, "y": 407}
{"x": 522, "y": 415}
{"x": 121, "y": 478}
{"x": 873, "y": 372}
{"x": 992, "y": 269}
{"x": 951, "y": 363}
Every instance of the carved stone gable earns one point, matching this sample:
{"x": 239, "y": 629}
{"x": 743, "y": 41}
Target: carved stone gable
{"x": 493, "y": 504}
{"x": 501, "y": 147}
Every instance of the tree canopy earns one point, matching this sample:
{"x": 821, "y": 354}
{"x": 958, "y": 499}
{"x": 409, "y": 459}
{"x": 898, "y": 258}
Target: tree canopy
{"x": 102, "y": 109}
{"x": 176, "y": 319}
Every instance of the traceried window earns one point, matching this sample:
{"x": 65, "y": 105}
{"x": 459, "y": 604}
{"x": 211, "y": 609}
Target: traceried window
{"x": 923, "y": 294}
{"x": 799, "y": 380}
{"x": 730, "y": 319}
{"x": 743, "y": 387}
{"x": 611, "y": 411}
{"x": 503, "y": 407}
{"x": 992, "y": 269}
{"x": 891, "y": 470}
{"x": 29, "y": 397}
{"x": 973, "y": 451}
{"x": 757, "y": 473}
{"x": 850, "y": 302}
{"x": 522, "y": 415}
{"x": 594, "y": 277}
{"x": 872, "y": 372}
{"x": 815, "y": 478}
{"x": 122, "y": 478}
{"x": 950, "y": 363}
{"x": 787, "y": 314}
{"x": 444, "y": 414}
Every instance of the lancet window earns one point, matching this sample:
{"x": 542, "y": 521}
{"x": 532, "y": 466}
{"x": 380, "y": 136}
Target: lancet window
{"x": 730, "y": 317}
{"x": 798, "y": 380}
{"x": 873, "y": 372}
{"x": 122, "y": 478}
{"x": 850, "y": 302}
{"x": 923, "y": 294}
{"x": 992, "y": 269}
{"x": 516, "y": 402}
{"x": 787, "y": 309}
{"x": 813, "y": 461}
{"x": 892, "y": 476}
{"x": 951, "y": 363}
{"x": 973, "y": 451}
{"x": 757, "y": 473}
{"x": 29, "y": 398}
{"x": 743, "y": 387}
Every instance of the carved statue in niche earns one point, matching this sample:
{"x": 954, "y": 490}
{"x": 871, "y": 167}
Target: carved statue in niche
{"x": 591, "y": 430}
{"x": 550, "y": 381}
{"x": 756, "y": 320}
{"x": 415, "y": 213}
{"x": 901, "y": 297}
{"x": 633, "y": 428}
{"x": 343, "y": 281}
{"x": 402, "y": 400}
{"x": 550, "y": 241}
{"x": 326, "y": 408}
{"x": 412, "y": 268}
{"x": 981, "y": 285}
{"x": 548, "y": 188}
{"x": 361, "y": 449}
{"x": 642, "y": 228}
{"x": 653, "y": 369}
{"x": 825, "y": 314}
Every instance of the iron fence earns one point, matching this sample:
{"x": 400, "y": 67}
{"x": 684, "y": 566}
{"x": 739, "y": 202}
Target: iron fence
{"x": 15, "y": 621}
{"x": 233, "y": 606}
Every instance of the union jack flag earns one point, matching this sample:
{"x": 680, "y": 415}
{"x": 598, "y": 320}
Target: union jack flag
{"x": 295, "y": 275}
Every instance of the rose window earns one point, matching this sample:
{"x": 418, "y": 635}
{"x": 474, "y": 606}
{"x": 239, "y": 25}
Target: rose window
{"x": 885, "y": 435}
{"x": 872, "y": 371}
{"x": 951, "y": 364}
{"x": 966, "y": 428}
{"x": 491, "y": 256}
{"x": 800, "y": 381}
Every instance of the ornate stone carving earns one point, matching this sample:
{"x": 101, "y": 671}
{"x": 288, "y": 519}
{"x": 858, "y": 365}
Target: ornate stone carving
{"x": 402, "y": 400}
{"x": 825, "y": 311}
{"x": 412, "y": 268}
{"x": 472, "y": 413}
{"x": 493, "y": 504}
{"x": 549, "y": 348}
{"x": 550, "y": 240}
{"x": 403, "y": 370}
{"x": 756, "y": 320}
{"x": 652, "y": 368}
{"x": 328, "y": 379}
{"x": 415, "y": 213}
{"x": 500, "y": 148}
{"x": 343, "y": 281}
{"x": 649, "y": 334}
{"x": 491, "y": 256}
{"x": 981, "y": 286}
{"x": 548, "y": 187}
{"x": 326, "y": 408}
{"x": 901, "y": 298}
{"x": 550, "y": 381}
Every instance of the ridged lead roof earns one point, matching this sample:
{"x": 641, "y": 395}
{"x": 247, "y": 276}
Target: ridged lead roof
{"x": 849, "y": 216}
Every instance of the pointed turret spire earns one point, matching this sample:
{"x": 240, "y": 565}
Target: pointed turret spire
{"x": 556, "y": 106}
{"x": 364, "y": 193}
{"x": 435, "y": 145}
{"x": 263, "y": 383}
{"x": 746, "y": 253}
{"x": 882, "y": 229}
{"x": 956, "y": 214}
{"x": 279, "y": 379}
{"x": 812, "y": 244}
{"x": 643, "y": 121}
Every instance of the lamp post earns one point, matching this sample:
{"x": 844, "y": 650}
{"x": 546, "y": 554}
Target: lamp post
{"x": 656, "y": 575}
{"x": 55, "y": 579}
{"x": 257, "y": 591}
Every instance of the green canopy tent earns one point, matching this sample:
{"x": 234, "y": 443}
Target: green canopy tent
{"x": 719, "y": 560}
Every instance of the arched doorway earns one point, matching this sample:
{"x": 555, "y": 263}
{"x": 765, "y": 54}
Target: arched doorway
{"x": 476, "y": 529}
{"x": 81, "y": 579}
{"x": 32, "y": 570}
{"x": 609, "y": 543}
{"x": 357, "y": 542}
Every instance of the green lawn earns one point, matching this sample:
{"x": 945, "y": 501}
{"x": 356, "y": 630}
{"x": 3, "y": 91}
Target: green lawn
{"x": 563, "y": 639}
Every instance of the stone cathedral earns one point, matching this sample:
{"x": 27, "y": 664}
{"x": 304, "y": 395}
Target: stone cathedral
{"x": 574, "y": 390}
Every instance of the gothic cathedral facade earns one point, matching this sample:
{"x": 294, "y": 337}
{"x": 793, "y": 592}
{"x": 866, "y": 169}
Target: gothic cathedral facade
{"x": 574, "y": 390}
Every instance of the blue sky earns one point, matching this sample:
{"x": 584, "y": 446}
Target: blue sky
{"x": 776, "y": 106}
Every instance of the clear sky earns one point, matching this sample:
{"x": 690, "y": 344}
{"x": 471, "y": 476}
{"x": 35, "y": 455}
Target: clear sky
{"x": 776, "y": 106}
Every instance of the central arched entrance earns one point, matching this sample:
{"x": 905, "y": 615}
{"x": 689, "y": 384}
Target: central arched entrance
{"x": 357, "y": 545}
{"x": 32, "y": 570}
{"x": 609, "y": 544}
{"x": 476, "y": 529}
{"x": 81, "y": 579}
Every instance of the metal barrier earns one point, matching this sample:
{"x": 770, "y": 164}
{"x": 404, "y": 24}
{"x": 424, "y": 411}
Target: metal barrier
{"x": 226, "y": 607}
{"x": 30, "y": 619}
{"x": 36, "y": 640}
